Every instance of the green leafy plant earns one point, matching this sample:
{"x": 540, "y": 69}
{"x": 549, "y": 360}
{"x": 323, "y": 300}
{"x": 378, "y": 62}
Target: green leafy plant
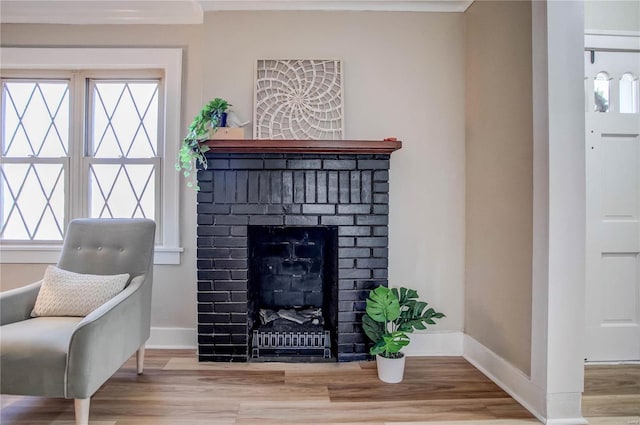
{"x": 192, "y": 152}
{"x": 391, "y": 315}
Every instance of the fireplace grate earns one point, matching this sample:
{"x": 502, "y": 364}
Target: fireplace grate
{"x": 296, "y": 342}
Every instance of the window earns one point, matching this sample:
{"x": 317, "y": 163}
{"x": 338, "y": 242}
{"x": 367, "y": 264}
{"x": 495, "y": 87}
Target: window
{"x": 84, "y": 136}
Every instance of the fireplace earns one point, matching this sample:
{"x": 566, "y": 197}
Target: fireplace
{"x": 293, "y": 234}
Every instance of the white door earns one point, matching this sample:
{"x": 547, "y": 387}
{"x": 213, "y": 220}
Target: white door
{"x": 613, "y": 206}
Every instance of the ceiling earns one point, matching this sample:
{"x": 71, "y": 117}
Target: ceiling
{"x": 191, "y": 11}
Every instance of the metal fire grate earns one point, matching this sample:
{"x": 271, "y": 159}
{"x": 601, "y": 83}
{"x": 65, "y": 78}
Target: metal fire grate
{"x": 297, "y": 342}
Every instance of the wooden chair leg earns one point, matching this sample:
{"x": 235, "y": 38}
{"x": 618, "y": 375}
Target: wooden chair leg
{"x": 140, "y": 359}
{"x": 82, "y": 410}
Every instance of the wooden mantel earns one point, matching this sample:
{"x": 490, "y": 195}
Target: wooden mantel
{"x": 304, "y": 146}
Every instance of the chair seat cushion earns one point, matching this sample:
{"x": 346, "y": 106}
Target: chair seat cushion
{"x": 33, "y": 355}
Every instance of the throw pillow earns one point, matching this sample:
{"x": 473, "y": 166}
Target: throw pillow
{"x": 64, "y": 293}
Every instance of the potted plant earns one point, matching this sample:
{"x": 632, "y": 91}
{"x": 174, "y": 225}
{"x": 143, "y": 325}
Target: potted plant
{"x": 391, "y": 314}
{"x": 212, "y": 116}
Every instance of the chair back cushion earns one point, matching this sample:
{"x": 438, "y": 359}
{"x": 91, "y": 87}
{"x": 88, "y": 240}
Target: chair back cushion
{"x": 108, "y": 246}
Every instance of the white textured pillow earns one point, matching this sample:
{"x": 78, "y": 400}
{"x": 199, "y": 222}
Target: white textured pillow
{"x": 64, "y": 293}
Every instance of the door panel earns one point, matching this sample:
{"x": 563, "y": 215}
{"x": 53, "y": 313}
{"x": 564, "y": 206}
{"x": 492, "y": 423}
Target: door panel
{"x": 613, "y": 207}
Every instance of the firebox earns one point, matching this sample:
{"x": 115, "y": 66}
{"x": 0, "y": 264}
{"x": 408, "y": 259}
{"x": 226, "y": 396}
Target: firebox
{"x": 293, "y": 292}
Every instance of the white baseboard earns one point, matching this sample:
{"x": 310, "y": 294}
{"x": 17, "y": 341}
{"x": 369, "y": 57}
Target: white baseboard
{"x": 435, "y": 344}
{"x": 172, "y": 338}
{"x": 519, "y": 386}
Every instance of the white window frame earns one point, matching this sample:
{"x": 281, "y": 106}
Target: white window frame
{"x": 167, "y": 59}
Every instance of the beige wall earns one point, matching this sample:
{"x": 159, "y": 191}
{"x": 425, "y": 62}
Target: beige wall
{"x": 613, "y": 15}
{"x": 499, "y": 185}
{"x": 404, "y": 77}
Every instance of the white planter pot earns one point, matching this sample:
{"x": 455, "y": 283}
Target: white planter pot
{"x": 390, "y": 370}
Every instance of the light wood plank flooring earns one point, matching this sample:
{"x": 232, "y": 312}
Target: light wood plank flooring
{"x": 612, "y": 391}
{"x": 177, "y": 390}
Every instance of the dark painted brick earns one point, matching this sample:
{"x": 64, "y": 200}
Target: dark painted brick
{"x": 372, "y": 242}
{"x": 205, "y": 286}
{"x": 213, "y": 230}
{"x": 238, "y": 253}
{"x": 217, "y": 253}
{"x": 275, "y": 164}
{"x": 368, "y": 285}
{"x": 336, "y": 220}
{"x": 239, "y": 231}
{"x": 287, "y": 187}
{"x": 253, "y": 188}
{"x": 344, "y": 187}
{"x": 354, "y": 209}
{"x": 265, "y": 187}
{"x": 372, "y": 263}
{"x": 333, "y": 187}
{"x": 380, "y": 231}
{"x": 284, "y": 209}
{"x": 265, "y": 220}
{"x": 204, "y": 242}
{"x": 301, "y": 220}
{"x": 239, "y": 274}
{"x": 347, "y": 327}
{"x": 346, "y": 284}
{"x": 248, "y": 209}
{"x": 373, "y": 164}
{"x": 275, "y": 190}
{"x": 348, "y": 295}
{"x": 318, "y": 209}
{"x": 345, "y": 306}
{"x": 380, "y": 273}
{"x": 339, "y": 164}
{"x": 212, "y": 296}
{"x": 246, "y": 164}
{"x": 366, "y": 188}
{"x": 205, "y": 219}
{"x": 321, "y": 186}
{"x": 345, "y": 338}
{"x": 231, "y": 219}
{"x": 346, "y": 242}
{"x": 205, "y": 308}
{"x": 381, "y": 209}
{"x": 230, "y": 285}
{"x": 305, "y": 164}
{"x": 218, "y": 164}
{"x": 345, "y": 316}
{"x": 219, "y": 194}
{"x": 205, "y": 329}
{"x": 350, "y": 357}
{"x": 238, "y": 307}
{"x": 238, "y": 339}
{"x": 239, "y": 318}
{"x": 240, "y": 296}
{"x": 205, "y": 176}
{"x": 352, "y": 274}
{"x": 381, "y": 176}
{"x": 354, "y": 252}
{"x": 381, "y": 187}
{"x": 310, "y": 186}
{"x": 230, "y": 329}
{"x": 230, "y": 242}
{"x": 213, "y": 274}
{"x": 204, "y": 197}
{"x": 346, "y": 263}
{"x": 221, "y": 339}
{"x": 230, "y": 264}
{"x": 213, "y": 209}
{"x": 381, "y": 198}
{"x": 381, "y": 252}
{"x": 354, "y": 231}
{"x": 204, "y": 264}
{"x": 230, "y": 186}
{"x": 242, "y": 178}
{"x": 298, "y": 187}
{"x": 213, "y": 318}
{"x": 206, "y": 187}
{"x": 355, "y": 187}
{"x": 376, "y": 220}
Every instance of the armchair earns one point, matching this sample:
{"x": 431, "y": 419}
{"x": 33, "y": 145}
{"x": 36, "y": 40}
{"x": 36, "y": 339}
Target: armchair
{"x": 72, "y": 357}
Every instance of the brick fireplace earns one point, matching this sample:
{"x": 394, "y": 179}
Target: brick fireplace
{"x": 257, "y": 186}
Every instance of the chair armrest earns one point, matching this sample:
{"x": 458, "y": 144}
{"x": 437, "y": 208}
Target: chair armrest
{"x": 16, "y": 305}
{"x": 107, "y": 337}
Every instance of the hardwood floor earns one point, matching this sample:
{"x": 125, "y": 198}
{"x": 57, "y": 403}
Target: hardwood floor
{"x": 177, "y": 390}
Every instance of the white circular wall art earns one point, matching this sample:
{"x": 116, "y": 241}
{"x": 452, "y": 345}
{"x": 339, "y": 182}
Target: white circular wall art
{"x": 298, "y": 99}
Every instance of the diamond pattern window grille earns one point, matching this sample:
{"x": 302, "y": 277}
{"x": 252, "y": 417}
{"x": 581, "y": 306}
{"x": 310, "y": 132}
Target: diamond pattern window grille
{"x": 34, "y": 169}
{"x": 123, "y": 146}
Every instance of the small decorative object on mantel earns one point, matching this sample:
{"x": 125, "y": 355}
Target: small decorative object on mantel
{"x": 390, "y": 315}
{"x": 299, "y": 99}
{"x": 211, "y": 117}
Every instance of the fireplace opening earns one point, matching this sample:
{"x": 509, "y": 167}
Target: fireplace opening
{"x": 293, "y": 292}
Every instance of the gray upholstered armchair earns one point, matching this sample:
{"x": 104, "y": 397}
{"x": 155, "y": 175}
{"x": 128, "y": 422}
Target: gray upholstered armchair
{"x": 72, "y": 357}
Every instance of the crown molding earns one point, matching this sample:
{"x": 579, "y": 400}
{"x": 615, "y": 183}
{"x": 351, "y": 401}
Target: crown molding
{"x": 94, "y": 12}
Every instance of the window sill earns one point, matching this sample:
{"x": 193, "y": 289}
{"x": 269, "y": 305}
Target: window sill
{"x": 48, "y": 254}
